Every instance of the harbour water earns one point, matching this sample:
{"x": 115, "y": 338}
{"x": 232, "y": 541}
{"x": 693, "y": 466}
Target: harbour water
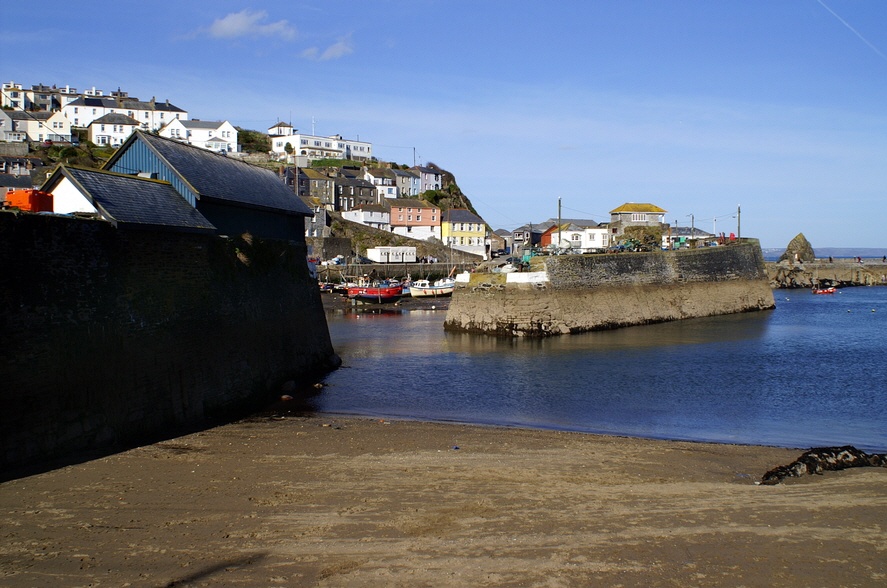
{"x": 812, "y": 372}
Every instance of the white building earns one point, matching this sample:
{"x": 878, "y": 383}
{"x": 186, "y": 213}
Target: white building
{"x": 112, "y": 129}
{"x": 581, "y": 239}
{"x": 307, "y": 148}
{"x": 371, "y": 215}
{"x": 218, "y": 136}
{"x": 41, "y": 126}
{"x": 152, "y": 115}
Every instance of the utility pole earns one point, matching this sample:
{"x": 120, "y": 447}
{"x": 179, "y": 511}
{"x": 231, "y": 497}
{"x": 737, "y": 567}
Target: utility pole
{"x": 560, "y": 244}
{"x": 738, "y": 222}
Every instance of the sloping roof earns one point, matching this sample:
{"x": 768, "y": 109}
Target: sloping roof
{"x": 313, "y": 174}
{"x": 201, "y": 124}
{"x": 461, "y": 215}
{"x": 129, "y": 103}
{"x": 409, "y": 203}
{"x": 12, "y": 181}
{"x": 115, "y": 118}
{"x": 29, "y": 115}
{"x": 131, "y": 200}
{"x": 638, "y": 207}
{"x": 219, "y": 177}
{"x": 372, "y": 208}
{"x": 579, "y": 222}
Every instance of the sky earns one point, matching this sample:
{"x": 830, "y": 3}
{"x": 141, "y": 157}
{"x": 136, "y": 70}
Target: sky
{"x": 763, "y": 117}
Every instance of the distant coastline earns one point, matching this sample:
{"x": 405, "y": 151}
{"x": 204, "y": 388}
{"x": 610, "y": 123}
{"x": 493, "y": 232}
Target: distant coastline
{"x": 773, "y": 253}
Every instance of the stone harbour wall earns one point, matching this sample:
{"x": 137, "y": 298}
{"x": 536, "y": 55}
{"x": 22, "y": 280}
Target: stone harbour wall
{"x": 112, "y": 337}
{"x": 585, "y": 293}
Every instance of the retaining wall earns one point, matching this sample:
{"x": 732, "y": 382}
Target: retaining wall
{"x": 112, "y": 337}
{"x": 594, "y": 292}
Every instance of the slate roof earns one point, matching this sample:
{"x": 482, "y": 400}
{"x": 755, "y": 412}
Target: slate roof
{"x": 13, "y": 181}
{"x": 29, "y": 115}
{"x": 409, "y": 203}
{"x": 115, "y": 118}
{"x": 201, "y": 124}
{"x": 219, "y": 177}
{"x": 129, "y": 103}
{"x": 461, "y": 215}
{"x": 131, "y": 200}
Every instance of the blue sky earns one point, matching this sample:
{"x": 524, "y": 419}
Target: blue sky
{"x": 697, "y": 106}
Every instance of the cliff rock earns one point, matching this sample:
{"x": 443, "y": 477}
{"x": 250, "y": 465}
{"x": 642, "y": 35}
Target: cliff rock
{"x": 798, "y": 249}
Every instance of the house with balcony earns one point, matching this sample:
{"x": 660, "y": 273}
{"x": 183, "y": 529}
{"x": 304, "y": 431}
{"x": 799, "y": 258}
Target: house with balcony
{"x": 112, "y": 129}
{"x": 463, "y": 230}
{"x": 217, "y": 136}
{"x": 8, "y": 133}
{"x": 303, "y": 149}
{"x": 414, "y": 218}
{"x": 41, "y": 126}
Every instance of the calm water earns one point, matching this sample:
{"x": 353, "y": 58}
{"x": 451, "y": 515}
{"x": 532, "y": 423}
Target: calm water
{"x": 812, "y": 372}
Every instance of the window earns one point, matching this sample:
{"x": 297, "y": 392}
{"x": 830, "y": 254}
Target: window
{"x": 75, "y": 110}
{"x": 418, "y": 218}
{"x": 638, "y": 217}
{"x": 409, "y": 217}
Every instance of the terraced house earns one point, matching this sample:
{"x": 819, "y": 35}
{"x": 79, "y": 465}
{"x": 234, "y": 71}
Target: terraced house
{"x": 465, "y": 231}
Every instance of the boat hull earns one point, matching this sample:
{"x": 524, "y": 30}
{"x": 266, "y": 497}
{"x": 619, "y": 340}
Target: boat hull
{"x": 378, "y": 294}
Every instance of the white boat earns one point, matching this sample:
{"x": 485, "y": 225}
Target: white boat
{"x": 424, "y": 288}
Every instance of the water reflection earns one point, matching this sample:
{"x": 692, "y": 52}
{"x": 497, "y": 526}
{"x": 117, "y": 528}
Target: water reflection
{"x": 810, "y": 372}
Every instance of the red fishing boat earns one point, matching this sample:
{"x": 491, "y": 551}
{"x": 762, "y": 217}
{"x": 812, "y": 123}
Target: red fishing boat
{"x": 382, "y": 292}
{"x": 829, "y": 290}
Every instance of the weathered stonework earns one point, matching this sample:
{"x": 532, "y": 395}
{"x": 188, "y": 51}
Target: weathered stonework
{"x": 586, "y": 293}
{"x": 112, "y": 337}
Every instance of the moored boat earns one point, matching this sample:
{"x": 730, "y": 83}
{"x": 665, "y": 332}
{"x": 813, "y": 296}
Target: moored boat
{"x": 425, "y": 289}
{"x": 380, "y": 293}
{"x": 829, "y": 290}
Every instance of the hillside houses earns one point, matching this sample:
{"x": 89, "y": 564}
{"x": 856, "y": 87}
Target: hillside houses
{"x": 362, "y": 189}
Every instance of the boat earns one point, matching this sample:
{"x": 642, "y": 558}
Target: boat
{"x": 829, "y": 290}
{"x": 382, "y": 292}
{"x": 425, "y": 289}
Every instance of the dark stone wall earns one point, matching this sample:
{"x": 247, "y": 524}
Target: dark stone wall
{"x": 740, "y": 261}
{"x": 111, "y": 337}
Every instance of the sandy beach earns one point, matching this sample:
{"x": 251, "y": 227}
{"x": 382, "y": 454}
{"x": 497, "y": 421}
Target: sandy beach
{"x": 291, "y": 500}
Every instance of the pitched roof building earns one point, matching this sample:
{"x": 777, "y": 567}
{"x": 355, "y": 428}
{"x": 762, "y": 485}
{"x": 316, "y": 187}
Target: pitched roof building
{"x": 126, "y": 201}
{"x": 233, "y": 195}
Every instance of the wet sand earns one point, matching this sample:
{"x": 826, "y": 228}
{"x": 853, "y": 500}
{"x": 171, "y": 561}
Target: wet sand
{"x": 287, "y": 500}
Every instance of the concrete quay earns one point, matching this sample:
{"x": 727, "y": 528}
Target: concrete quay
{"x": 822, "y": 272}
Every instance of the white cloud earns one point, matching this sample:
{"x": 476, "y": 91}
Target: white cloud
{"x": 339, "y": 49}
{"x": 250, "y": 24}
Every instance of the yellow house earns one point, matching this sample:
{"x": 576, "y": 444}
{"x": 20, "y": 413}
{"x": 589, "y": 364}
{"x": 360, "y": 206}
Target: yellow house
{"x": 465, "y": 231}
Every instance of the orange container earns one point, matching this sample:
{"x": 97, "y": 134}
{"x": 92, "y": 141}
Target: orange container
{"x": 29, "y": 199}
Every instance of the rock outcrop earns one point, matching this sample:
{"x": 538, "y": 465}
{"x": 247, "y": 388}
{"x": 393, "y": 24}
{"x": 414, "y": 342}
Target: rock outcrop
{"x": 821, "y": 459}
{"x": 798, "y": 250}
